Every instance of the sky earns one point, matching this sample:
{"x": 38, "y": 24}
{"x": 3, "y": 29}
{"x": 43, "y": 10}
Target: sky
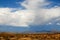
{"x": 29, "y": 13}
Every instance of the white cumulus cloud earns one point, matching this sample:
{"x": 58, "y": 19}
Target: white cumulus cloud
{"x": 17, "y": 18}
{"x": 34, "y": 14}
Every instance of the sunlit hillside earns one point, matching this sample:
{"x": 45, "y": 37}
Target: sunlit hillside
{"x": 29, "y": 36}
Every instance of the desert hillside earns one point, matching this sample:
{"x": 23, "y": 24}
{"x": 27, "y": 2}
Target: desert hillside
{"x": 29, "y": 36}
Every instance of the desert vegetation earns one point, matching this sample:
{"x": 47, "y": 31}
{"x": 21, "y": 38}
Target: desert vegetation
{"x": 29, "y": 36}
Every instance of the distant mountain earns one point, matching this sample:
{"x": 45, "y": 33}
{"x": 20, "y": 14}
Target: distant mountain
{"x": 31, "y": 29}
{"x": 5, "y": 28}
{"x": 45, "y": 28}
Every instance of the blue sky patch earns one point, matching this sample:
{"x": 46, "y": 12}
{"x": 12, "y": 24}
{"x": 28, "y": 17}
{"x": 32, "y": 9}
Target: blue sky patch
{"x": 10, "y": 3}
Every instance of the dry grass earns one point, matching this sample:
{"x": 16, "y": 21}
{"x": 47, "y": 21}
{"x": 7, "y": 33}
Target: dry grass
{"x": 20, "y": 36}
